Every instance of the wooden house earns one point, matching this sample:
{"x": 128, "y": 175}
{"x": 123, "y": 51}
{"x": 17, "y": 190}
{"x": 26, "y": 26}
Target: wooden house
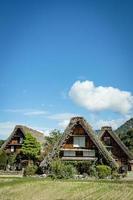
{"x": 117, "y": 149}
{"x": 80, "y": 143}
{"x": 14, "y": 142}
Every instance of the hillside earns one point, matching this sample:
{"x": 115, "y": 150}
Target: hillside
{"x": 124, "y": 128}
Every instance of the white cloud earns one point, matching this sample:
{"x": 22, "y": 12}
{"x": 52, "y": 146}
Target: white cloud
{"x": 113, "y": 123}
{"x": 33, "y": 113}
{"x": 63, "y": 124}
{"x": 15, "y": 110}
{"x": 62, "y": 118}
{"x": 100, "y": 98}
{"x": 27, "y": 112}
{"x": 6, "y": 128}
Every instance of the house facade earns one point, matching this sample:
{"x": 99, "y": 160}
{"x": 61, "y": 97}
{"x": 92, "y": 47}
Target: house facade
{"x": 117, "y": 149}
{"x": 14, "y": 142}
{"x": 80, "y": 143}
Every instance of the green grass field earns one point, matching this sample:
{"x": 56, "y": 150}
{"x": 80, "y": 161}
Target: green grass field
{"x": 41, "y": 189}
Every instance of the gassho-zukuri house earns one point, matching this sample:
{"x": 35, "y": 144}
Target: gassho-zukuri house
{"x": 14, "y": 142}
{"x": 80, "y": 143}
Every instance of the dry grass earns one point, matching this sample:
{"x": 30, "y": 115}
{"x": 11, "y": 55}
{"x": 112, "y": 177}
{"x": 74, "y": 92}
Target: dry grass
{"x": 39, "y": 189}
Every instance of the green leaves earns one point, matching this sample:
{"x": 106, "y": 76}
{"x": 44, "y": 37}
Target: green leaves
{"x": 53, "y": 137}
{"x": 31, "y": 148}
{"x": 127, "y": 139}
{"x": 3, "y": 159}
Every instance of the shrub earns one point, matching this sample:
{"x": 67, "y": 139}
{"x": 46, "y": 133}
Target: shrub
{"x": 3, "y": 160}
{"x": 70, "y": 171}
{"x": 59, "y": 170}
{"x": 115, "y": 175}
{"x": 93, "y": 171}
{"x": 82, "y": 167}
{"x": 12, "y": 161}
{"x": 103, "y": 171}
{"x": 30, "y": 170}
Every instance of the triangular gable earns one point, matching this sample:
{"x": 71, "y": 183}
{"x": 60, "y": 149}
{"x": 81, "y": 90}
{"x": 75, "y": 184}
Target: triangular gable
{"x": 117, "y": 140}
{"x": 68, "y": 132}
{"x": 39, "y": 136}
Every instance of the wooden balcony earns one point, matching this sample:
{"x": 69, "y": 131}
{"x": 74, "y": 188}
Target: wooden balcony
{"x": 15, "y": 144}
{"x": 78, "y": 158}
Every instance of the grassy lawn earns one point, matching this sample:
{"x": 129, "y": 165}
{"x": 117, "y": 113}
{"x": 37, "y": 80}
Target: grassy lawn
{"x": 42, "y": 189}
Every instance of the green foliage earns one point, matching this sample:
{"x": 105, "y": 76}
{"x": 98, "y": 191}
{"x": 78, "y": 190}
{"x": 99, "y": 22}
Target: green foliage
{"x": 115, "y": 174}
{"x": 3, "y": 160}
{"x": 124, "y": 128}
{"x": 11, "y": 159}
{"x": 93, "y": 171}
{"x": 30, "y": 170}
{"x": 53, "y": 137}
{"x": 127, "y": 139}
{"x": 30, "y": 147}
{"x": 59, "y": 170}
{"x": 1, "y": 142}
{"x": 103, "y": 171}
{"x": 82, "y": 166}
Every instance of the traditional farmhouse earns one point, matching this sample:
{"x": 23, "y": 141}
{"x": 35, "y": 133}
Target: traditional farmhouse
{"x": 14, "y": 142}
{"x": 79, "y": 142}
{"x": 117, "y": 149}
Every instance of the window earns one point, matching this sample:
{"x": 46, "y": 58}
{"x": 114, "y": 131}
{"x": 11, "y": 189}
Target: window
{"x": 21, "y": 140}
{"x": 69, "y": 153}
{"x": 107, "y": 140}
{"x": 79, "y": 142}
{"x": 90, "y": 153}
{"x": 12, "y": 148}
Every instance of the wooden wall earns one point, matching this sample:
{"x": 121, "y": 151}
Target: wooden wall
{"x": 116, "y": 150}
{"x": 78, "y": 131}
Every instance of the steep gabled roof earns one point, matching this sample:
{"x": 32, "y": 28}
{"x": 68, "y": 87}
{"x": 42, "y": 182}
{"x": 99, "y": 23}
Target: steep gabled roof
{"x": 117, "y": 140}
{"x": 38, "y": 135}
{"x": 69, "y": 130}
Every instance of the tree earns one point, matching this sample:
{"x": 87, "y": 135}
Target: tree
{"x": 3, "y": 160}
{"x": 51, "y": 140}
{"x": 53, "y": 137}
{"x": 1, "y": 142}
{"x": 31, "y": 147}
{"x": 127, "y": 139}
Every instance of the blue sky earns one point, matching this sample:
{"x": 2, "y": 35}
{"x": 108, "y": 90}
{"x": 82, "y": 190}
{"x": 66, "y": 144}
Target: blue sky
{"x": 55, "y": 55}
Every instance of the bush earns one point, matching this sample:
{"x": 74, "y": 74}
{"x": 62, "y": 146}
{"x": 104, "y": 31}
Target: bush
{"x": 70, "y": 171}
{"x": 82, "y": 167}
{"x": 103, "y": 171}
{"x": 3, "y": 160}
{"x": 93, "y": 171}
{"x": 59, "y": 170}
{"x": 30, "y": 170}
{"x": 11, "y": 161}
{"x": 115, "y": 175}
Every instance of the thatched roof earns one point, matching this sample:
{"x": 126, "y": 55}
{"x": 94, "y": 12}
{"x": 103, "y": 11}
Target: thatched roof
{"x": 38, "y": 135}
{"x": 69, "y": 130}
{"x": 117, "y": 140}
